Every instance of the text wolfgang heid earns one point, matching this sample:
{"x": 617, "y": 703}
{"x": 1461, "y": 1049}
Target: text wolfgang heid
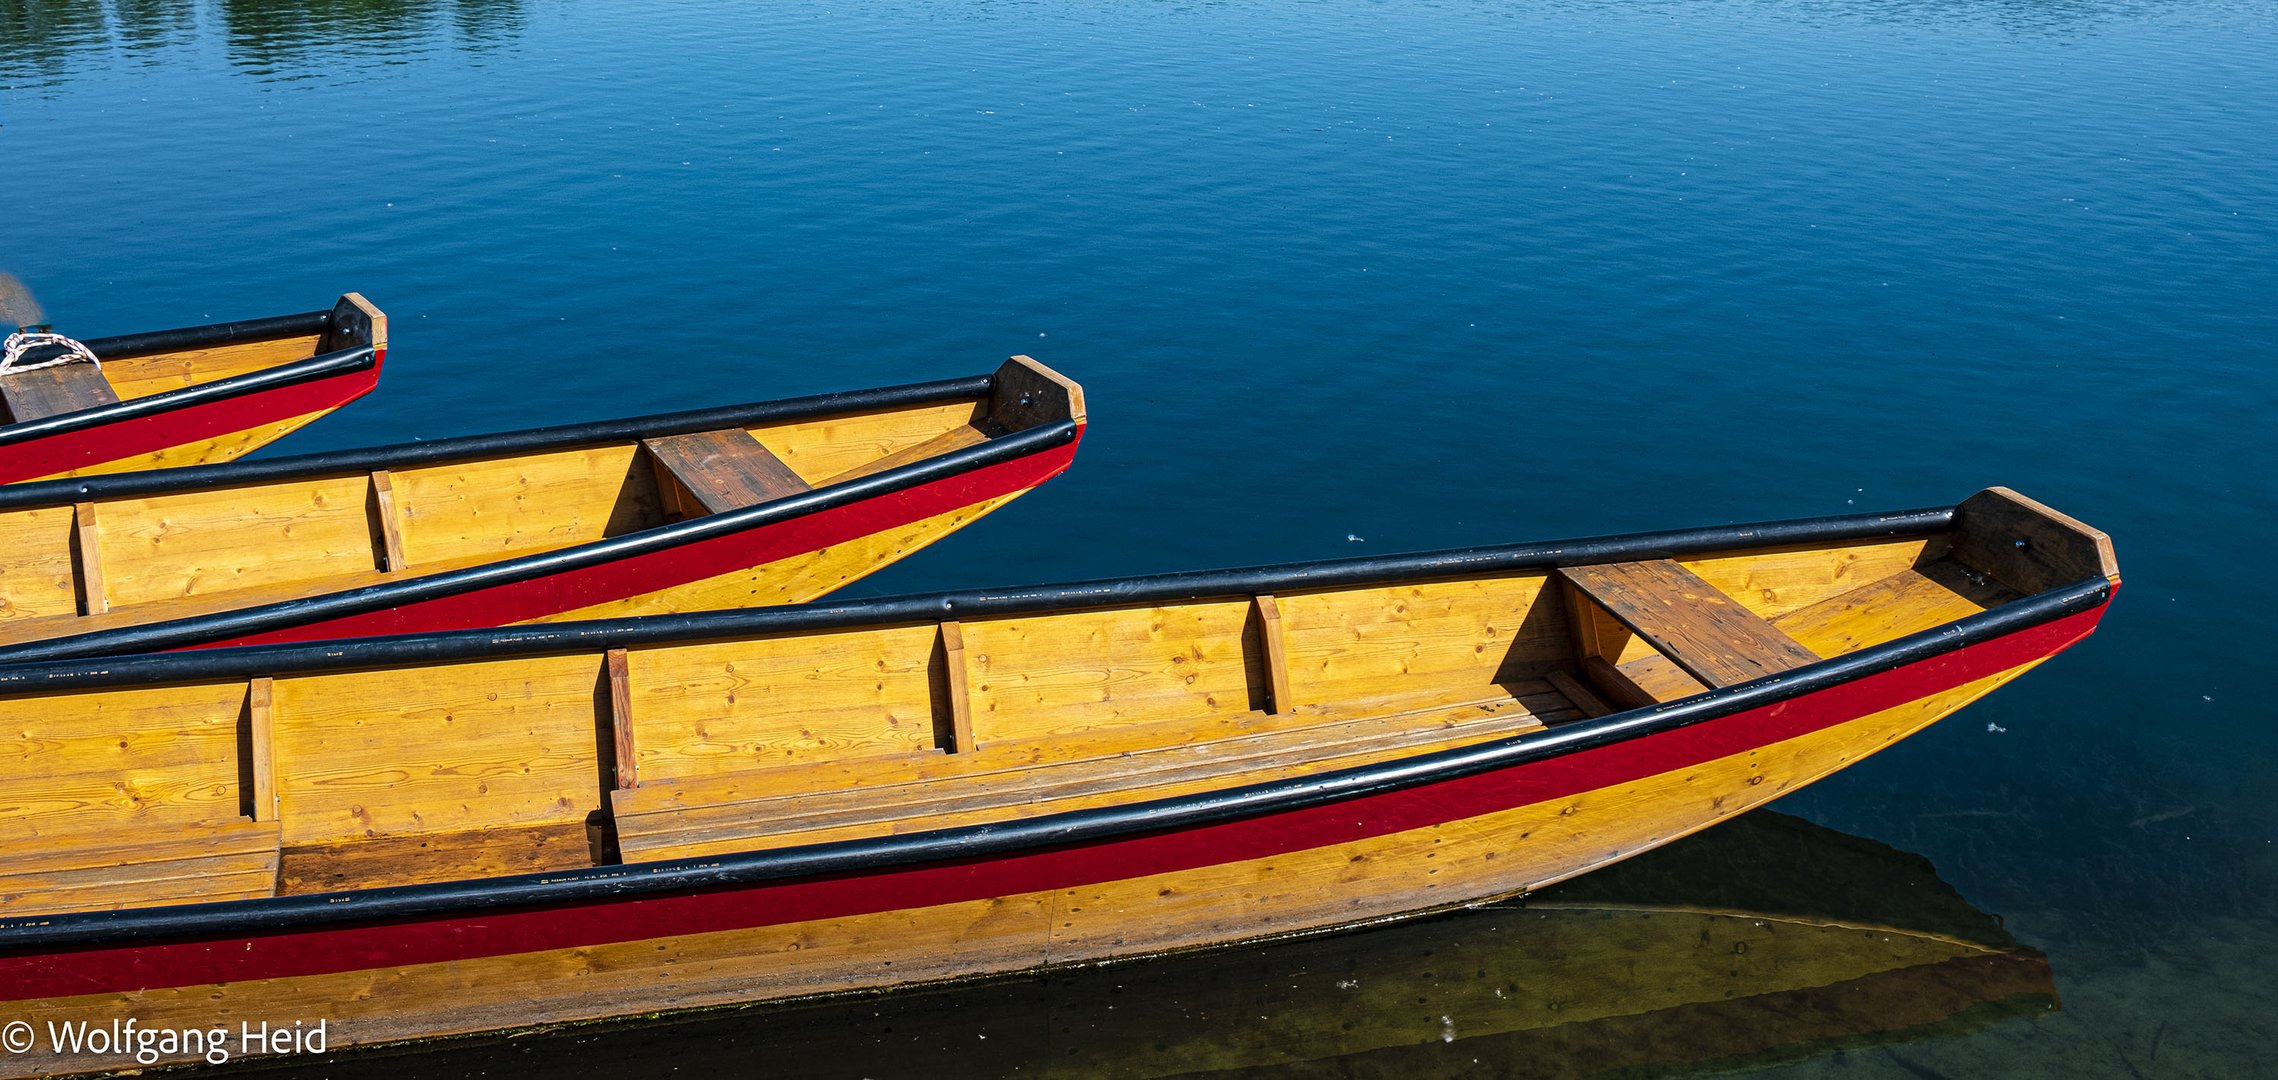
{"x": 128, "y": 1040}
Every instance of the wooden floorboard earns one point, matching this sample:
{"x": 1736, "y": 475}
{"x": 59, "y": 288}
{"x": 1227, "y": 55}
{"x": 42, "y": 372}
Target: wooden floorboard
{"x": 681, "y": 826}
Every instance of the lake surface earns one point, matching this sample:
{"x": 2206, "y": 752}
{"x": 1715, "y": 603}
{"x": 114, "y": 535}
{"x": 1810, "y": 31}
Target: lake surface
{"x": 1342, "y": 278}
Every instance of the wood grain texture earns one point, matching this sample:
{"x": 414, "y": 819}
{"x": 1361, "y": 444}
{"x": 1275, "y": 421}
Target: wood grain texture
{"x": 822, "y": 448}
{"x": 387, "y": 522}
{"x": 1689, "y": 621}
{"x": 1044, "y": 676}
{"x": 38, "y": 575}
{"x": 1027, "y": 394}
{"x": 956, "y": 691}
{"x": 141, "y": 376}
{"x": 720, "y": 471}
{"x": 956, "y": 438}
{"x": 222, "y": 540}
{"x": 232, "y": 859}
{"x": 704, "y": 709}
{"x": 680, "y": 823}
{"x": 2026, "y": 546}
{"x": 447, "y": 748}
{"x": 427, "y": 857}
{"x": 1458, "y": 636}
{"x": 1345, "y": 884}
{"x": 1774, "y": 581}
{"x": 96, "y": 764}
{"x": 87, "y": 560}
{"x": 625, "y": 743}
{"x": 524, "y": 504}
{"x": 54, "y": 391}
{"x": 260, "y": 737}
{"x": 1276, "y": 655}
{"x": 1903, "y": 603}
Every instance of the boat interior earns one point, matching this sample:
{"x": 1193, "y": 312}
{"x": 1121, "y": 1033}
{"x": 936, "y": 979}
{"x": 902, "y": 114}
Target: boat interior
{"x": 128, "y": 373}
{"x": 327, "y": 780}
{"x": 105, "y": 563}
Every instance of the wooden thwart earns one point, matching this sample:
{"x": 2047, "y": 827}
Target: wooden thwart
{"x": 712, "y": 472}
{"x": 65, "y": 388}
{"x": 1699, "y": 628}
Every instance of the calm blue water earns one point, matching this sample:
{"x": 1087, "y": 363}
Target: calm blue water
{"x": 1420, "y": 274}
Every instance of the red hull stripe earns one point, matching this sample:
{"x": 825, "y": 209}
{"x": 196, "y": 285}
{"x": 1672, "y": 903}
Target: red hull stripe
{"x": 419, "y": 941}
{"x": 81, "y": 448}
{"x": 571, "y": 590}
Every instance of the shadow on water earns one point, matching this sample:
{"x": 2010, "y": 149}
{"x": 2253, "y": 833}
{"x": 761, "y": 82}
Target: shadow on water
{"x": 45, "y": 42}
{"x": 1768, "y": 939}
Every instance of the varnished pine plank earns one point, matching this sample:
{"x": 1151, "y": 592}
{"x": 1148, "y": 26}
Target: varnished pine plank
{"x": 387, "y": 521}
{"x": 1276, "y": 655}
{"x": 724, "y": 470}
{"x": 262, "y": 736}
{"x": 1705, "y": 632}
{"x": 960, "y": 695}
{"x": 94, "y": 599}
{"x": 1903, "y": 603}
{"x": 662, "y": 824}
{"x": 956, "y": 438}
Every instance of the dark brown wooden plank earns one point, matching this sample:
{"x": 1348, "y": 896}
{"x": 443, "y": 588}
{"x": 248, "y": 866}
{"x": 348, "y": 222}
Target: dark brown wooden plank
{"x": 1697, "y": 627}
{"x": 1582, "y": 696}
{"x": 1027, "y": 394}
{"x": 426, "y": 857}
{"x": 621, "y": 720}
{"x": 724, "y": 470}
{"x": 65, "y": 388}
{"x": 2027, "y": 546}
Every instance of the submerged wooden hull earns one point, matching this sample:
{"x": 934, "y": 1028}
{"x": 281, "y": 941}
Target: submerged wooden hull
{"x": 1077, "y": 883}
{"x": 204, "y": 395}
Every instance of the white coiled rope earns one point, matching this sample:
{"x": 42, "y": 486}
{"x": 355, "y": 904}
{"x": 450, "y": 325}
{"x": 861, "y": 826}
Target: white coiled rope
{"x": 23, "y": 341}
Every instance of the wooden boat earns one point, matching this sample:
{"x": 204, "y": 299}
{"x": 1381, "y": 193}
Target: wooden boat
{"x": 1767, "y": 939}
{"x": 772, "y": 503}
{"x": 463, "y": 832}
{"x": 194, "y": 396}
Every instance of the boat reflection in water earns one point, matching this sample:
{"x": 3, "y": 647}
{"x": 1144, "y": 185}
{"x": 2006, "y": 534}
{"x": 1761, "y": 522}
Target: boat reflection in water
{"x": 1766, "y": 939}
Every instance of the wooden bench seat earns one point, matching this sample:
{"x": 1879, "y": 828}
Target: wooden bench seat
{"x": 175, "y": 864}
{"x": 45, "y": 392}
{"x": 712, "y": 472}
{"x": 751, "y": 810}
{"x": 1700, "y": 638}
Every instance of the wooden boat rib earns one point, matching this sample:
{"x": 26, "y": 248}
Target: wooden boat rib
{"x": 193, "y": 396}
{"x": 771, "y": 503}
{"x": 477, "y": 831}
